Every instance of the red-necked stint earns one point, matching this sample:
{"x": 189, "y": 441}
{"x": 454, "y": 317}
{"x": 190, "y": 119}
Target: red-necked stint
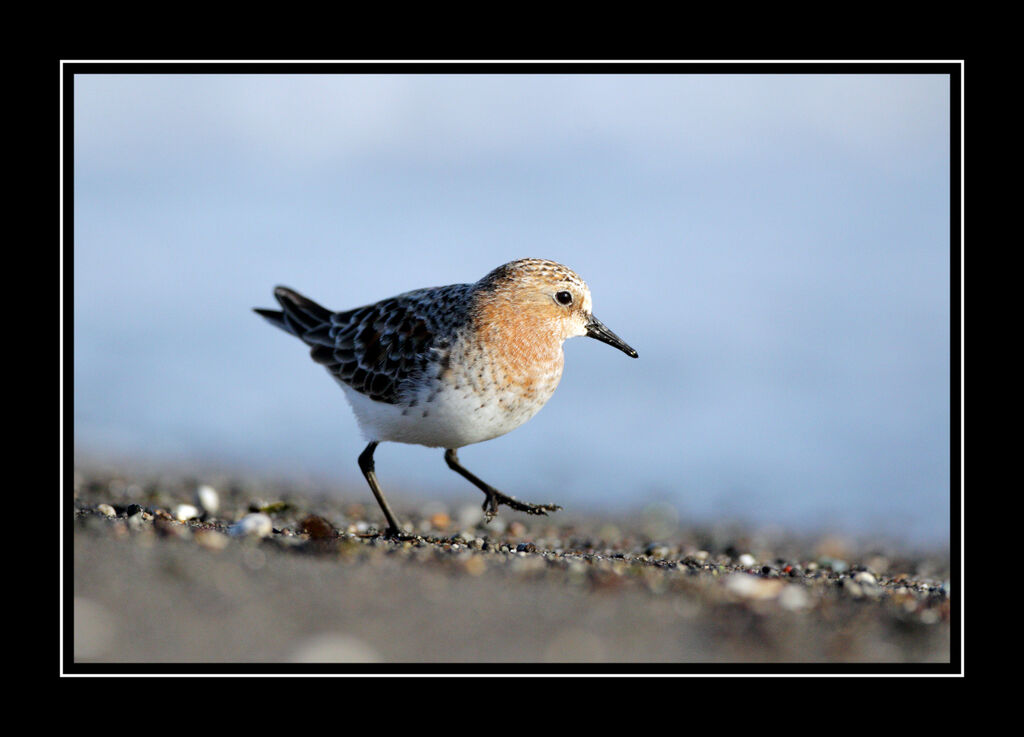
{"x": 450, "y": 366}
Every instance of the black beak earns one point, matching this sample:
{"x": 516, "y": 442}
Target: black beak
{"x": 596, "y": 329}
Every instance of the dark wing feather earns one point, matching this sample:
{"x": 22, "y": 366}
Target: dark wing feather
{"x": 381, "y": 350}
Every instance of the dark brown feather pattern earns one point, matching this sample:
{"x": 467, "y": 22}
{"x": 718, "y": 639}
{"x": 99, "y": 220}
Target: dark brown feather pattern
{"x": 385, "y": 350}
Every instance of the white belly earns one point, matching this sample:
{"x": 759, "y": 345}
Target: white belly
{"x": 446, "y": 417}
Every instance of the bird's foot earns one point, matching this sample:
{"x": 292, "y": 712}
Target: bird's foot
{"x": 393, "y": 533}
{"x": 495, "y": 498}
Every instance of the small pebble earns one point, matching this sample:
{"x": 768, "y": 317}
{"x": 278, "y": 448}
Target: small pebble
{"x": 865, "y": 578}
{"x": 184, "y": 512}
{"x": 657, "y": 550}
{"x": 106, "y": 509}
{"x": 317, "y": 527}
{"x": 254, "y": 524}
{"x": 747, "y": 560}
{"x": 137, "y": 521}
{"x": 208, "y": 499}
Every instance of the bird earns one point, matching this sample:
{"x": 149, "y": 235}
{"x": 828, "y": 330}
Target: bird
{"x": 446, "y": 367}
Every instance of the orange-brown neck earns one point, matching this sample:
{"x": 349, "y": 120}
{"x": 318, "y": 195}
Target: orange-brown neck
{"x": 524, "y": 342}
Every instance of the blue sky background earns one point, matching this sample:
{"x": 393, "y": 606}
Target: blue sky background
{"x": 776, "y": 247}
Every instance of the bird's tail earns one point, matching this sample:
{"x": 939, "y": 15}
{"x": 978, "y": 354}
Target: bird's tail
{"x": 298, "y": 315}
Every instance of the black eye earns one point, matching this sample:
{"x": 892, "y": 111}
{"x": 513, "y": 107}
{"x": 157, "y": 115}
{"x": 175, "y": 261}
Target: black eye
{"x": 564, "y": 298}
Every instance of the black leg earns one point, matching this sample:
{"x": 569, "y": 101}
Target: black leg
{"x": 366, "y": 464}
{"x": 495, "y": 497}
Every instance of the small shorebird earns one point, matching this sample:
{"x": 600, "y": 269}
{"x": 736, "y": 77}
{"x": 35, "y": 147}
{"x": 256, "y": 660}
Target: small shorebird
{"x": 450, "y": 366}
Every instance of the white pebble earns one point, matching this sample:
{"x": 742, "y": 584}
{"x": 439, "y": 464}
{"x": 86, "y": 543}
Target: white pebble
{"x": 865, "y": 578}
{"x": 185, "y": 512}
{"x": 747, "y": 560}
{"x": 255, "y": 524}
{"x": 106, "y": 509}
{"x": 207, "y": 498}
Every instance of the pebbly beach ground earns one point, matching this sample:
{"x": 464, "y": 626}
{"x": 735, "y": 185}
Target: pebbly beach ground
{"x": 217, "y": 572}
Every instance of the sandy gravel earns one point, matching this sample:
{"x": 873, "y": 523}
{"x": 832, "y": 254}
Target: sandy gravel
{"x": 308, "y": 580}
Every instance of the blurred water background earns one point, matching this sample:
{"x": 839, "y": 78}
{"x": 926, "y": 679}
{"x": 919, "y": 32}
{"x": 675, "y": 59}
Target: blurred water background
{"x": 776, "y": 247}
